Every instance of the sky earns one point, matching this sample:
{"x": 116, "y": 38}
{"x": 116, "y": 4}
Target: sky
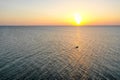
{"x": 59, "y": 12}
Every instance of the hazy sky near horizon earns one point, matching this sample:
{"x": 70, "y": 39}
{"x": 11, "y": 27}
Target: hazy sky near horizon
{"x": 59, "y": 12}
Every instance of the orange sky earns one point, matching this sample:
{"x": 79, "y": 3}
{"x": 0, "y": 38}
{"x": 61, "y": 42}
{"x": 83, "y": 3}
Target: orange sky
{"x": 59, "y": 12}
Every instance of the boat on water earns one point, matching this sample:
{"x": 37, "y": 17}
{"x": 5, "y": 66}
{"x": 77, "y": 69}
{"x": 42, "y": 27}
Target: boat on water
{"x": 77, "y": 47}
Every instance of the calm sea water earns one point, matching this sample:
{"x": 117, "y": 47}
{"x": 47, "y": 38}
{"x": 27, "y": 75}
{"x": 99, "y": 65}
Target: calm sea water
{"x": 49, "y": 53}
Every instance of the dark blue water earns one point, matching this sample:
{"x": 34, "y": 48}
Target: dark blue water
{"x": 49, "y": 53}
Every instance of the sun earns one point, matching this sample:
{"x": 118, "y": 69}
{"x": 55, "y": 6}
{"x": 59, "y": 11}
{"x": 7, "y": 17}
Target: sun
{"x": 77, "y": 18}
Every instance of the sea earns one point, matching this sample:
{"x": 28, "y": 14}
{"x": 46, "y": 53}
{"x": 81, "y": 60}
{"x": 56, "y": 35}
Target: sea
{"x": 60, "y": 53}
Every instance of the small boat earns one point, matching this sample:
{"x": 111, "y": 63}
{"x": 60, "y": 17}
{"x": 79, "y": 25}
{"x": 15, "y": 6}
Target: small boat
{"x": 77, "y": 47}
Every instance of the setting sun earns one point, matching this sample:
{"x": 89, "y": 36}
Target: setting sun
{"x": 77, "y": 18}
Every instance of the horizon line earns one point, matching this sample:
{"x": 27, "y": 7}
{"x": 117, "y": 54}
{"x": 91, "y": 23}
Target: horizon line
{"x": 60, "y": 25}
